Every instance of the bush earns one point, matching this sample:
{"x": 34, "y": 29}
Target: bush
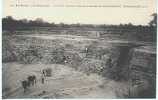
{"x": 8, "y": 53}
{"x": 28, "y": 55}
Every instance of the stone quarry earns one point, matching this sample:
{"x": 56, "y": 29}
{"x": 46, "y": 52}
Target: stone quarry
{"x": 131, "y": 62}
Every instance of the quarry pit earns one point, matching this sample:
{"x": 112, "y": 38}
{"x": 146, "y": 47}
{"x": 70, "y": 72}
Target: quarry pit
{"x": 80, "y": 67}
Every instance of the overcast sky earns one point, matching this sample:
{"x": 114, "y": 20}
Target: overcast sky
{"x": 86, "y": 15}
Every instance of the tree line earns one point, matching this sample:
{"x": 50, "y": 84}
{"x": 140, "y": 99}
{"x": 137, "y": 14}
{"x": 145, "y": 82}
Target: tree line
{"x": 9, "y": 23}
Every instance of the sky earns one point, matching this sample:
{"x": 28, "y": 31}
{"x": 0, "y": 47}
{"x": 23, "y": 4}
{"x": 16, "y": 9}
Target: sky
{"x": 127, "y": 11}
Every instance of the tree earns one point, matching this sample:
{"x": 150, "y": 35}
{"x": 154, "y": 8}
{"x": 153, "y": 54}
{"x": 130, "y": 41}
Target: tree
{"x": 9, "y": 23}
{"x": 153, "y": 22}
{"x": 39, "y": 20}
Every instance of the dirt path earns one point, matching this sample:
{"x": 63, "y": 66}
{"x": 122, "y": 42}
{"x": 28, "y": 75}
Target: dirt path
{"x": 64, "y": 83}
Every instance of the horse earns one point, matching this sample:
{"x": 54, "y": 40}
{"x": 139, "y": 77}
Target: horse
{"x": 25, "y": 85}
{"x": 32, "y": 79}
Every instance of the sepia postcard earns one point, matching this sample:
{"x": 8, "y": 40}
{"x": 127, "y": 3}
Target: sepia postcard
{"x": 73, "y": 49}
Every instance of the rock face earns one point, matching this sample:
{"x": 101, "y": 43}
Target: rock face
{"x": 142, "y": 73}
{"x": 137, "y": 65}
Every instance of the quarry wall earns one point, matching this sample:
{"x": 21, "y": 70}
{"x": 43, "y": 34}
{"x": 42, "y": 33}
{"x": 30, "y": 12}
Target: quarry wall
{"x": 142, "y": 73}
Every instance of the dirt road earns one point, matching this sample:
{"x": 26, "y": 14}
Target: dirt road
{"x": 65, "y": 82}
